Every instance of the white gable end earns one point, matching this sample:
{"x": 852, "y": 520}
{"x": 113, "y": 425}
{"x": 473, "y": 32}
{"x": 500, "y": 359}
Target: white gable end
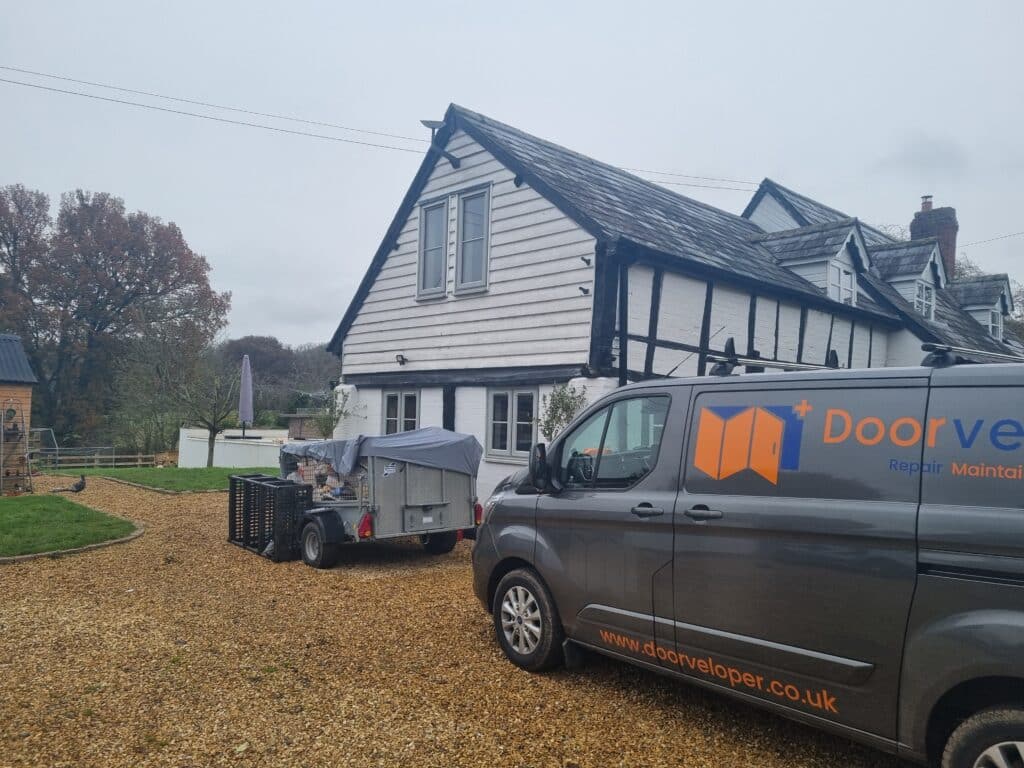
{"x": 532, "y": 311}
{"x": 770, "y": 216}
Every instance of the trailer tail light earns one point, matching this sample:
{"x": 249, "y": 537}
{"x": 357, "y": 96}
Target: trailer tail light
{"x": 365, "y": 528}
{"x": 478, "y": 513}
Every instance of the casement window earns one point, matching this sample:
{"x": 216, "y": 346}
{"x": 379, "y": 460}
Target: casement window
{"x": 401, "y": 412}
{"x": 433, "y": 259}
{"x": 511, "y": 422}
{"x": 471, "y": 259}
{"x": 924, "y": 301}
{"x": 841, "y": 285}
{"x": 995, "y": 325}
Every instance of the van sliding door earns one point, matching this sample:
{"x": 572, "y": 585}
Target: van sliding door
{"x": 795, "y": 556}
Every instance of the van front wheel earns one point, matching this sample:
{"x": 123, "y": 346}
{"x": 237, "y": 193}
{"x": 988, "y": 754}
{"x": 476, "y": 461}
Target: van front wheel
{"x": 991, "y": 739}
{"x": 526, "y": 621}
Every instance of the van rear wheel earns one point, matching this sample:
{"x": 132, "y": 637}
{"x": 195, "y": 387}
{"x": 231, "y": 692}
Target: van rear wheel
{"x": 526, "y": 621}
{"x": 990, "y": 739}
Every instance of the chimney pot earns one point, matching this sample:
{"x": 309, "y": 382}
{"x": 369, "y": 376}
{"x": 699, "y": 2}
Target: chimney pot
{"x": 926, "y": 202}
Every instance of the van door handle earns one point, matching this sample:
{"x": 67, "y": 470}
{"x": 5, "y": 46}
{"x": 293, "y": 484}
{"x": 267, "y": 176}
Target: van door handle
{"x": 700, "y": 513}
{"x": 646, "y": 510}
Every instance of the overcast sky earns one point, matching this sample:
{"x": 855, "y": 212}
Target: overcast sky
{"x": 864, "y": 107}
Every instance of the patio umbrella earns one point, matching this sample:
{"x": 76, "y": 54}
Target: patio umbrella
{"x": 245, "y": 395}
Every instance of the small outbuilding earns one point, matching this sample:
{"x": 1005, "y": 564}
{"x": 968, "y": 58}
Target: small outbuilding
{"x": 16, "y": 382}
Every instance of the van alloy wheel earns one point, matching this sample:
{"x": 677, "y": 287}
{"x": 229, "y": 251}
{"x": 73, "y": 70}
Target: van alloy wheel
{"x": 1008, "y": 754}
{"x": 521, "y": 620}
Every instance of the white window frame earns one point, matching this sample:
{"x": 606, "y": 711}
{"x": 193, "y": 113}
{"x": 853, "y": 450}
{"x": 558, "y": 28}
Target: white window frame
{"x": 481, "y": 284}
{"x": 401, "y": 394}
{"x": 442, "y": 290}
{"x": 510, "y": 453}
{"x": 838, "y": 274}
{"x": 924, "y": 299}
{"x": 995, "y": 324}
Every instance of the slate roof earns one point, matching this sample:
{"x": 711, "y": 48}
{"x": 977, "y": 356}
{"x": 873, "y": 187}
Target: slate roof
{"x": 610, "y": 203}
{"x": 822, "y": 241}
{"x": 951, "y": 325}
{"x": 981, "y": 291}
{"x": 907, "y": 258}
{"x": 809, "y": 212}
{"x": 14, "y": 365}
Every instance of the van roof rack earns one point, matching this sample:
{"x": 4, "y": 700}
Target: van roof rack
{"x": 727, "y": 362}
{"x": 945, "y": 355}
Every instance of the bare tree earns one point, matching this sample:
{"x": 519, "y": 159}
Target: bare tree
{"x": 207, "y": 391}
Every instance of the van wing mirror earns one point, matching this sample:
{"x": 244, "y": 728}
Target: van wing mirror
{"x": 540, "y": 470}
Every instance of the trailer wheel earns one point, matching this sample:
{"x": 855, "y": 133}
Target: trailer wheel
{"x": 316, "y": 551}
{"x": 440, "y": 543}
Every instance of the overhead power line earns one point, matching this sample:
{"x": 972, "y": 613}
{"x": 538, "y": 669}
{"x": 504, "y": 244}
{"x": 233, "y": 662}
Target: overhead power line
{"x": 212, "y": 105}
{"x": 993, "y": 239}
{"x": 307, "y": 121}
{"x": 212, "y": 117}
{"x": 691, "y": 176}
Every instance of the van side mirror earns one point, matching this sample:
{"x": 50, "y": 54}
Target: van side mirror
{"x": 540, "y": 472}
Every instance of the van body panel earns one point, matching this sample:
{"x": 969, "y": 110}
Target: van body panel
{"x": 960, "y": 629}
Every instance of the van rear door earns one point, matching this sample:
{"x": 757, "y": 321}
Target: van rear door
{"x": 795, "y": 556}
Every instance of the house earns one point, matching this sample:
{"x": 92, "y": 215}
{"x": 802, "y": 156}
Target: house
{"x": 513, "y": 265}
{"x": 16, "y": 381}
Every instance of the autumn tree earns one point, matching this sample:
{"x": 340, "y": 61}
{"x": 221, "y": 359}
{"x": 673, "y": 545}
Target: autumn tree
{"x": 83, "y": 290}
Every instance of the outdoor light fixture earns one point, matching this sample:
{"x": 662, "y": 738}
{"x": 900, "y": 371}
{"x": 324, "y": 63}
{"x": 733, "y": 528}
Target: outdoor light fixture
{"x": 401, "y": 359}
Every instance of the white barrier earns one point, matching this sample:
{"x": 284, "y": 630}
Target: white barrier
{"x": 260, "y": 448}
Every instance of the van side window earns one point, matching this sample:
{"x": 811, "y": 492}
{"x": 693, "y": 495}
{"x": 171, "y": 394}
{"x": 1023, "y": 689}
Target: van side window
{"x": 580, "y": 450}
{"x": 617, "y": 446}
{"x": 861, "y": 444}
{"x": 631, "y": 441}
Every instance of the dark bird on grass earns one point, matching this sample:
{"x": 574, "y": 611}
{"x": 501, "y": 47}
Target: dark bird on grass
{"x": 76, "y": 487}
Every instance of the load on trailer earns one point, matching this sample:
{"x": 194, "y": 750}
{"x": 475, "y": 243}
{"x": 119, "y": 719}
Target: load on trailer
{"x": 419, "y": 483}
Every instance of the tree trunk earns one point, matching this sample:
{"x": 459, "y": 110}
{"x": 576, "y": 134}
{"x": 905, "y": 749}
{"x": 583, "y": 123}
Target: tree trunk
{"x": 211, "y": 441}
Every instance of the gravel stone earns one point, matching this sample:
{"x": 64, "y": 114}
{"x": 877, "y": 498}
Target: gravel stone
{"x": 180, "y": 649}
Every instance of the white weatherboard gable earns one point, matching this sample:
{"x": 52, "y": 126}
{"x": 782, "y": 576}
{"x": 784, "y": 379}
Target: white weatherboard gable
{"x": 771, "y": 216}
{"x": 533, "y": 311}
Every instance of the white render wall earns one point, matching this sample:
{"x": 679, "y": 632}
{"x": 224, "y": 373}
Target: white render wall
{"x": 533, "y": 312}
{"x": 470, "y": 418}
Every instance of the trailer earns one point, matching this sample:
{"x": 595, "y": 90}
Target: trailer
{"x": 333, "y": 492}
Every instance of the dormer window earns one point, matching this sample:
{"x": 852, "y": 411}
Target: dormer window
{"x": 924, "y": 301}
{"x": 995, "y": 325}
{"x": 841, "y": 285}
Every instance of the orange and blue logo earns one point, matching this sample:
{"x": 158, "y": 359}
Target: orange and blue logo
{"x": 763, "y": 439}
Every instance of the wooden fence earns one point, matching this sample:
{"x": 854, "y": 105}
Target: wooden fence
{"x": 95, "y": 461}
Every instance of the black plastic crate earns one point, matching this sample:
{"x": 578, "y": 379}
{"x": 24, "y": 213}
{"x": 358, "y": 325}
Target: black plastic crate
{"x": 264, "y": 509}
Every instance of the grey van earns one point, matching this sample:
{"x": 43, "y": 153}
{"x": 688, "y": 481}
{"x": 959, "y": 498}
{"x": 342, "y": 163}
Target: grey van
{"x": 843, "y": 547}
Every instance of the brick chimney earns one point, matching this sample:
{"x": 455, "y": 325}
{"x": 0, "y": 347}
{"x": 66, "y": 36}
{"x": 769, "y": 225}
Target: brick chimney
{"x": 939, "y": 223}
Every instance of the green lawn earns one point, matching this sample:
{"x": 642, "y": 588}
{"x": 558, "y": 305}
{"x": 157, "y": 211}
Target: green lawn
{"x": 176, "y": 478}
{"x": 30, "y": 524}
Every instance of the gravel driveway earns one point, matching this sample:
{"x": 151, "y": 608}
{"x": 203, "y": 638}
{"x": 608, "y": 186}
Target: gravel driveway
{"x": 180, "y": 649}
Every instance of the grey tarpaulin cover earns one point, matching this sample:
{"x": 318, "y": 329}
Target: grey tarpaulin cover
{"x": 428, "y": 447}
